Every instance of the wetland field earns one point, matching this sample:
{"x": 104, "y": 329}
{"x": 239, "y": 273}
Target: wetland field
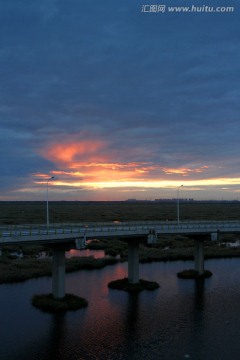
{"x": 27, "y": 212}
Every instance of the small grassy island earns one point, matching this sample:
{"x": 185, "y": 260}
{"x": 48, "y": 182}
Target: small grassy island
{"x": 123, "y": 284}
{"x": 193, "y": 274}
{"x": 48, "y": 303}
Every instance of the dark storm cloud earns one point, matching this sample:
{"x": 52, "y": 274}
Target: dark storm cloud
{"x": 162, "y": 88}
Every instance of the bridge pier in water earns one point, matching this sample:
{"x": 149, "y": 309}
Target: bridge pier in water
{"x": 199, "y": 256}
{"x": 58, "y": 265}
{"x": 58, "y": 272}
{"x": 133, "y": 255}
{"x": 133, "y": 262}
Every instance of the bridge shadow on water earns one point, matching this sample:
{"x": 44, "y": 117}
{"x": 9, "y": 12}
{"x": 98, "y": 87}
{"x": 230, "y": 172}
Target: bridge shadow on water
{"x": 132, "y": 314}
{"x": 57, "y": 334}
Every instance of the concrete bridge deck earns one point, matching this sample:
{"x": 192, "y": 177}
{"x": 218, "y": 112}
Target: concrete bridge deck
{"x": 68, "y": 232}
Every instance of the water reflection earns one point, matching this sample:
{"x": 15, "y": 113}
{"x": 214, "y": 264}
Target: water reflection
{"x": 97, "y": 254}
{"x": 199, "y": 294}
{"x": 196, "y": 318}
{"x": 132, "y": 313}
{"x": 57, "y": 335}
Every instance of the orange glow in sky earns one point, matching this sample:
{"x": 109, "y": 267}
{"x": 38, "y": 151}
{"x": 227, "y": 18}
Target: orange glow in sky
{"x": 68, "y": 152}
{"x": 85, "y": 165}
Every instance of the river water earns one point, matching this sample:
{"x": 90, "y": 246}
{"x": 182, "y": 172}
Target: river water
{"x": 183, "y": 319}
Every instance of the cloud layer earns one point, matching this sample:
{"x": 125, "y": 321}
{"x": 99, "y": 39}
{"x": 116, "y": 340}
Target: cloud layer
{"x": 114, "y": 102}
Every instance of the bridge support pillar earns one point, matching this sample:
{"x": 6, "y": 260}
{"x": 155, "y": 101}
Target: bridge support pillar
{"x": 133, "y": 262}
{"x": 199, "y": 257}
{"x": 58, "y": 273}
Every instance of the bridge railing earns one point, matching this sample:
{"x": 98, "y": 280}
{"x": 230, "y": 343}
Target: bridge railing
{"x": 106, "y": 227}
{"x": 116, "y": 223}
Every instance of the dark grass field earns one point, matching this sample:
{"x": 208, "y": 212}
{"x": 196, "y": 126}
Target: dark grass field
{"x": 23, "y": 212}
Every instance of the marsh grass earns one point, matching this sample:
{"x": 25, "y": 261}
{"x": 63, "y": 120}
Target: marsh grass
{"x": 23, "y": 269}
{"x": 16, "y": 270}
{"x": 34, "y": 212}
{"x": 88, "y": 263}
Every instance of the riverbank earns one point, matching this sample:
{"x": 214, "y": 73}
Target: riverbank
{"x": 27, "y": 267}
{"x": 171, "y": 248}
{"x": 17, "y": 270}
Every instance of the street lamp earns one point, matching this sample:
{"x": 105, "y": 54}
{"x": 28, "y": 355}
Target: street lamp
{"x": 47, "y": 201}
{"x": 178, "y": 203}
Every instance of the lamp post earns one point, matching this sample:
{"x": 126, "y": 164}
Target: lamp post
{"x": 178, "y": 203}
{"x": 47, "y": 201}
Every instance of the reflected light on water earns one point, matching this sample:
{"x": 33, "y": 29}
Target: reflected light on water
{"x": 87, "y": 252}
{"x": 199, "y": 319}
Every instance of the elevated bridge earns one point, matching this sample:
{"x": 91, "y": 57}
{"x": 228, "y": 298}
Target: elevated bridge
{"x": 61, "y": 237}
{"x": 59, "y": 233}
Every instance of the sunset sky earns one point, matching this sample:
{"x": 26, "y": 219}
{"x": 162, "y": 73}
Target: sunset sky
{"x": 118, "y": 103}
